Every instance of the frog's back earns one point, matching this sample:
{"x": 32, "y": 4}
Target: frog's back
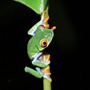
{"x": 31, "y": 48}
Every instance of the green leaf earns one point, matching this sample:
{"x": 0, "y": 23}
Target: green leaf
{"x": 37, "y": 5}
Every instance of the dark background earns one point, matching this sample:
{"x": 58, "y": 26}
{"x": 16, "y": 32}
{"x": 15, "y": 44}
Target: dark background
{"x": 69, "y": 65}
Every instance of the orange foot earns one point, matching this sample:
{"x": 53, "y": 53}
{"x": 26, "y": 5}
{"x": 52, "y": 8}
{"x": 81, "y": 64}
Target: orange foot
{"x": 53, "y": 28}
{"x": 45, "y": 58}
{"x": 46, "y": 71}
{"x": 45, "y": 20}
{"x": 45, "y": 24}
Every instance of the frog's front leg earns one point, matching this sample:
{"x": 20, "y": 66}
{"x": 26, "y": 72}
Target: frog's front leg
{"x": 38, "y": 60}
{"x": 37, "y": 73}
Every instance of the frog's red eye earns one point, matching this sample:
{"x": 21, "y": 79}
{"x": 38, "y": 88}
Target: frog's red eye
{"x": 43, "y": 43}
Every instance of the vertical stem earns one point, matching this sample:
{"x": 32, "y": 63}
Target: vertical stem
{"x": 46, "y": 84}
{"x": 46, "y": 12}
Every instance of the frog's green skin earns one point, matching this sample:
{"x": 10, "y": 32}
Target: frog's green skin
{"x": 34, "y": 28}
{"x": 34, "y": 50}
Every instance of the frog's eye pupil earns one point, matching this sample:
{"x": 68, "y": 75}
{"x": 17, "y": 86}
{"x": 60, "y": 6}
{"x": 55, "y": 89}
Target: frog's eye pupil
{"x": 43, "y": 43}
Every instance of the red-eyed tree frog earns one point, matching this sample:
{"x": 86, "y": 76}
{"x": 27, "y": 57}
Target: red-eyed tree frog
{"x": 35, "y": 47}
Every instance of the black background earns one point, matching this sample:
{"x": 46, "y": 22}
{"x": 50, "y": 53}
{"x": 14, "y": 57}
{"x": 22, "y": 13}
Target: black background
{"x": 69, "y": 65}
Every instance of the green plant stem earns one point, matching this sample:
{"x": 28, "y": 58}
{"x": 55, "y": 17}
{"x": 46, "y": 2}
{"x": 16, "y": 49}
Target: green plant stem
{"x": 46, "y": 84}
{"x": 46, "y": 12}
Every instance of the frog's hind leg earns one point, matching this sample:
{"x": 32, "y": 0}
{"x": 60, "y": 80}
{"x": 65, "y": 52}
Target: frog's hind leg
{"x": 37, "y": 73}
{"x": 46, "y": 73}
{"x": 39, "y": 62}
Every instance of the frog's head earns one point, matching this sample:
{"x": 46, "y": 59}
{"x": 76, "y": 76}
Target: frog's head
{"x": 43, "y": 37}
